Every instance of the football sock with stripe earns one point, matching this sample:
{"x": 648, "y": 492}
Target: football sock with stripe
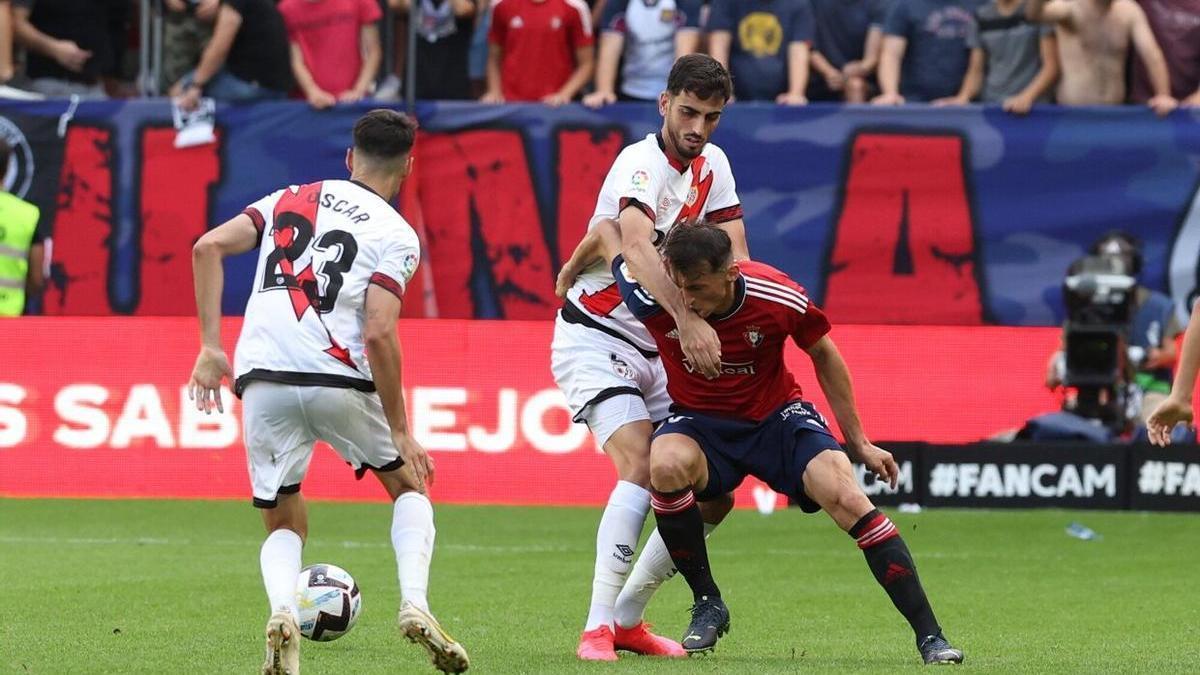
{"x": 682, "y": 530}
{"x": 888, "y": 557}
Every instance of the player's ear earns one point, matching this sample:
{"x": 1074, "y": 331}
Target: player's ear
{"x": 350, "y": 160}
{"x": 408, "y": 166}
{"x": 732, "y": 272}
{"x": 663, "y": 99}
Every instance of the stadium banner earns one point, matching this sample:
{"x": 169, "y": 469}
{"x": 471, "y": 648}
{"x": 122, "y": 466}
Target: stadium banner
{"x": 965, "y": 216}
{"x": 1165, "y": 479}
{"x": 1002, "y": 475}
{"x": 97, "y": 406}
{"x": 910, "y": 486}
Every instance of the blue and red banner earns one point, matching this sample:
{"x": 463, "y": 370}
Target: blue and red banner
{"x": 911, "y": 215}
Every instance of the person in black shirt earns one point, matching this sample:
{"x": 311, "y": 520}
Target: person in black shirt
{"x": 246, "y": 59}
{"x": 74, "y": 46}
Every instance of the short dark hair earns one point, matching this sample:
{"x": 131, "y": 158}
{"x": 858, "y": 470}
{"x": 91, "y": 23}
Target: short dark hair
{"x": 689, "y": 246}
{"x": 384, "y": 134}
{"x": 700, "y": 74}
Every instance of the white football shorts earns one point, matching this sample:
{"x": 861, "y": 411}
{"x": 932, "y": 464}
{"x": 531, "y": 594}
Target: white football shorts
{"x": 607, "y": 381}
{"x": 282, "y": 421}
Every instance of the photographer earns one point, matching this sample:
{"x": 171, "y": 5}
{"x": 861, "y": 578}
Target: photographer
{"x": 1148, "y": 334}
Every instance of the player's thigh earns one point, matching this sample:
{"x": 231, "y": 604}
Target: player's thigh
{"x": 796, "y": 454}
{"x": 715, "y": 472}
{"x": 591, "y": 367}
{"x": 278, "y": 438}
{"x": 354, "y": 424}
{"x": 628, "y": 445}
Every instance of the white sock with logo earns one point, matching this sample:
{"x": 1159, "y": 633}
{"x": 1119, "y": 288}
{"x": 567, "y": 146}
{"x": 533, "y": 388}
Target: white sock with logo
{"x": 279, "y": 560}
{"x": 653, "y": 567}
{"x": 412, "y": 538}
{"x": 616, "y": 544}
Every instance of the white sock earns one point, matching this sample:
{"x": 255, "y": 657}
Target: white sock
{"x": 653, "y": 567}
{"x": 412, "y": 538}
{"x": 280, "y": 563}
{"x": 616, "y": 542}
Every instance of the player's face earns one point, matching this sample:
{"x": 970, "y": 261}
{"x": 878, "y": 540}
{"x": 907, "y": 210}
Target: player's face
{"x": 688, "y": 121}
{"x": 709, "y": 292}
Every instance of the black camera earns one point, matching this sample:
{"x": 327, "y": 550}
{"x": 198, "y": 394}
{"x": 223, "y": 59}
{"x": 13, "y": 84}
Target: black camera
{"x": 1099, "y": 295}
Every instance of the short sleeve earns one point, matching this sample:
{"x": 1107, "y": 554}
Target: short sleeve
{"x": 689, "y": 11}
{"x": 613, "y": 18}
{"x": 398, "y": 263}
{"x": 896, "y": 22}
{"x": 368, "y": 12}
{"x": 580, "y": 26}
{"x": 637, "y": 299}
{"x": 809, "y": 326}
{"x": 723, "y": 202}
{"x": 802, "y": 26}
{"x": 720, "y": 15}
{"x": 262, "y": 211}
{"x": 877, "y": 12}
{"x": 636, "y": 183}
{"x": 973, "y": 34}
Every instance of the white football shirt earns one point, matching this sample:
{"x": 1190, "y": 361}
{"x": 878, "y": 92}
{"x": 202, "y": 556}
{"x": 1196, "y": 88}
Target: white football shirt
{"x": 669, "y": 192}
{"x": 321, "y": 245}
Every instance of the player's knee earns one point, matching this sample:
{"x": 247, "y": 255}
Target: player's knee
{"x": 670, "y": 469}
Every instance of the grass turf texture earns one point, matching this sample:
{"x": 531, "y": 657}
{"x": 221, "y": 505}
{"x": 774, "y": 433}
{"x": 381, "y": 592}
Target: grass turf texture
{"x": 148, "y": 586}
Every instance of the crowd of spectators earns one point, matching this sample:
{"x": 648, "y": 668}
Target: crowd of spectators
{"x": 1014, "y": 53}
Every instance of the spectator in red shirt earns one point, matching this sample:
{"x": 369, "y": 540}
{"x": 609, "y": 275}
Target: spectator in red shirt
{"x": 335, "y": 48}
{"x": 539, "y": 50}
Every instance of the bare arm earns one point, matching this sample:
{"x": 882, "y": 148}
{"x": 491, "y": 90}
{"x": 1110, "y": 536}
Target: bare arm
{"x": 382, "y": 309}
{"x": 872, "y": 49}
{"x": 797, "y": 74}
{"x": 224, "y": 31}
{"x": 890, "y": 58}
{"x": 687, "y": 41}
{"x": 834, "y": 378}
{"x": 35, "y": 281}
{"x": 719, "y": 42}
{"x": 697, "y": 339}
{"x": 1046, "y": 76}
{"x": 372, "y": 56}
{"x": 235, "y": 236}
{"x": 494, "y": 93}
{"x": 972, "y": 81}
{"x": 65, "y": 52}
{"x": 316, "y": 96}
{"x": 1152, "y": 57}
{"x": 6, "y": 42}
{"x": 611, "y": 44}
{"x": 1054, "y": 11}
{"x": 585, "y": 63}
{"x": 821, "y": 66}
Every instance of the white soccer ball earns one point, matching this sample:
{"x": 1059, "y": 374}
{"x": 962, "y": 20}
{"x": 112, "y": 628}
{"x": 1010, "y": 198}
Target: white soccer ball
{"x": 329, "y": 602}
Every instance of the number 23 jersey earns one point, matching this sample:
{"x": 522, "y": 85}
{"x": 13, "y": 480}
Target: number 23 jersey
{"x": 321, "y": 245}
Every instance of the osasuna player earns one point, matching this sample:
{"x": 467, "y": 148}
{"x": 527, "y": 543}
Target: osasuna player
{"x": 319, "y": 359}
{"x": 602, "y": 358}
{"x": 752, "y": 420}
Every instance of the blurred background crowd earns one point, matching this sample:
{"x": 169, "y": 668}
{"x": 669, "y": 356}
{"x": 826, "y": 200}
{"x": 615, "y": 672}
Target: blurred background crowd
{"x": 1013, "y": 53}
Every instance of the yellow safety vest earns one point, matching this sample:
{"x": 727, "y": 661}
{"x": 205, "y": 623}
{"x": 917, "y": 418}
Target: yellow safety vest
{"x": 18, "y": 222}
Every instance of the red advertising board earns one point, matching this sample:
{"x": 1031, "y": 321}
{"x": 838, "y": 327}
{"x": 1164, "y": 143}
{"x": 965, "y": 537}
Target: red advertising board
{"x": 96, "y": 407}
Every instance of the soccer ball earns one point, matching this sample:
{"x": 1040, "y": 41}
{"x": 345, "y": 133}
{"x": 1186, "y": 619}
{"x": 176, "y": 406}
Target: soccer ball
{"x": 329, "y": 602}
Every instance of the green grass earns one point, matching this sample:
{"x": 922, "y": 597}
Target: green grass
{"x": 150, "y": 586}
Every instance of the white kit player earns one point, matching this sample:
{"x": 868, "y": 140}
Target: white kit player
{"x": 606, "y": 363}
{"x": 319, "y": 359}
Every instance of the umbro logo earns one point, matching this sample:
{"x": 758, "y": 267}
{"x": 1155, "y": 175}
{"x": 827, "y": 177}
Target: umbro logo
{"x": 623, "y": 553}
{"x": 624, "y": 549}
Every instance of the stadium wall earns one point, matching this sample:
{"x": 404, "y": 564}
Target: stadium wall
{"x": 964, "y": 216}
{"x": 97, "y": 407}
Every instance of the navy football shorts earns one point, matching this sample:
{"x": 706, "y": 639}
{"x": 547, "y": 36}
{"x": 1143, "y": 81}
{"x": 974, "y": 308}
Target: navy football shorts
{"x": 775, "y": 450}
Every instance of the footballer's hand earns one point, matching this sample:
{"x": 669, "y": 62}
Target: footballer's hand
{"x": 700, "y": 345}
{"x": 564, "y": 281}
{"x": 1162, "y": 421}
{"x": 599, "y": 99}
{"x": 879, "y": 462}
{"x": 204, "y": 388}
{"x": 416, "y": 457}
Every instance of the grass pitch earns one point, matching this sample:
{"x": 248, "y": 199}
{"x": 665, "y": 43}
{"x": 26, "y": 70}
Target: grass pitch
{"x": 154, "y": 586}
